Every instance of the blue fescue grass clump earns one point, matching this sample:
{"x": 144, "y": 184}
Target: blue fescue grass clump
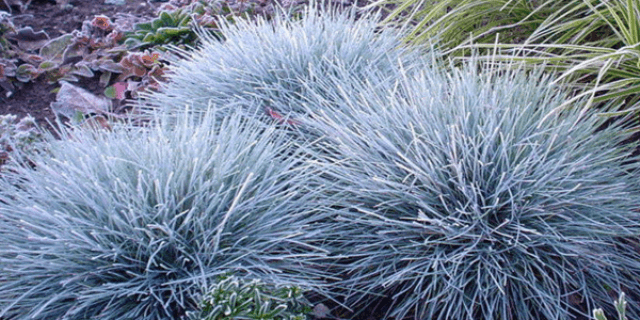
{"x": 281, "y": 63}
{"x": 473, "y": 196}
{"x": 135, "y": 223}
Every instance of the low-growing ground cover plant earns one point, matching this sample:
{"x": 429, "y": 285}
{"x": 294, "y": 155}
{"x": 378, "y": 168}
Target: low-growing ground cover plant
{"x": 134, "y": 223}
{"x": 475, "y": 195}
{"x": 123, "y": 53}
{"x": 18, "y": 138}
{"x": 237, "y": 298}
{"x": 282, "y": 63}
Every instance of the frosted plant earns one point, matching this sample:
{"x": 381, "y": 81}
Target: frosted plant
{"x": 19, "y": 139}
{"x": 283, "y": 63}
{"x": 232, "y": 297}
{"x": 474, "y": 196}
{"x": 134, "y": 223}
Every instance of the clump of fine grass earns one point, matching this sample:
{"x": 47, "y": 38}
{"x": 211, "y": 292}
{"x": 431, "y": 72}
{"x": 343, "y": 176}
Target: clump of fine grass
{"x": 281, "y": 63}
{"x": 135, "y": 223}
{"x": 480, "y": 196}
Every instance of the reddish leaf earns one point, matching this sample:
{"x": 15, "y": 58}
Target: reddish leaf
{"x": 32, "y": 58}
{"x": 116, "y": 91}
{"x": 277, "y": 116}
{"x": 149, "y": 59}
{"x": 102, "y": 22}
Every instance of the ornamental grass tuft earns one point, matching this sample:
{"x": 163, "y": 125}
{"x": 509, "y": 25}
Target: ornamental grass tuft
{"x": 281, "y": 63}
{"x": 474, "y": 195}
{"x": 135, "y": 223}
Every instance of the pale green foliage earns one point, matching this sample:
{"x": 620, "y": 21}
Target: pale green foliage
{"x": 237, "y": 298}
{"x": 136, "y": 222}
{"x": 593, "y": 43}
{"x": 477, "y": 196}
{"x": 455, "y": 22}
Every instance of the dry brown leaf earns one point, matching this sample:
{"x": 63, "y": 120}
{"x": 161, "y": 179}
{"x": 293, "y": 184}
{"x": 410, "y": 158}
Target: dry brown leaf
{"x": 73, "y": 101}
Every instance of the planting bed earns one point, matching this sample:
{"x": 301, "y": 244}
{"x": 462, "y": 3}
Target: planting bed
{"x": 55, "y": 19}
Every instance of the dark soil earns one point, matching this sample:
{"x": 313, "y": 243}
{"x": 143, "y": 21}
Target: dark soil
{"x": 58, "y": 18}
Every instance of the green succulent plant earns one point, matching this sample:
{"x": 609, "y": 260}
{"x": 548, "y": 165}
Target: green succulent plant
{"x": 169, "y": 27}
{"x": 237, "y": 298}
{"x": 177, "y": 25}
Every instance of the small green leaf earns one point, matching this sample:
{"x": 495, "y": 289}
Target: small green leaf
{"x": 166, "y": 18}
{"x": 598, "y": 314}
{"x": 78, "y": 116}
{"x": 55, "y": 48}
{"x": 132, "y": 43}
{"x": 110, "y": 92}
{"x": 47, "y": 65}
{"x": 172, "y": 32}
{"x": 157, "y": 23}
{"x": 69, "y": 77}
{"x": 150, "y": 38}
{"x": 184, "y": 22}
{"x": 146, "y": 26}
{"x": 26, "y": 73}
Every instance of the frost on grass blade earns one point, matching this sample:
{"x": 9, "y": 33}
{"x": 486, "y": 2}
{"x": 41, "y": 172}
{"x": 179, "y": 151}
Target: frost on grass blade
{"x": 283, "y": 64}
{"x": 474, "y": 196}
{"x": 134, "y": 223}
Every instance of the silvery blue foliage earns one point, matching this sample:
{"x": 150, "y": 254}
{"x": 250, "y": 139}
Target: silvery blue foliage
{"x": 283, "y": 63}
{"x": 136, "y": 222}
{"x": 471, "y": 195}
